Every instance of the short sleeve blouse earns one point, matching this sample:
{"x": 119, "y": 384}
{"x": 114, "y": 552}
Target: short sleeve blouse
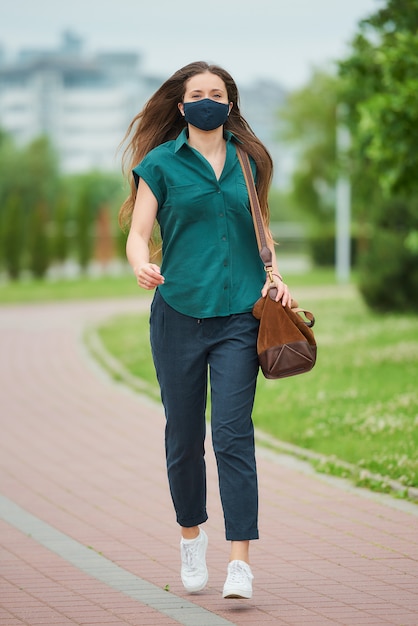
{"x": 210, "y": 258}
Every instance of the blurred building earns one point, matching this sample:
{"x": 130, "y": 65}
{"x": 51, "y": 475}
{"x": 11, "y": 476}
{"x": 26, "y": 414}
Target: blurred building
{"x": 84, "y": 102}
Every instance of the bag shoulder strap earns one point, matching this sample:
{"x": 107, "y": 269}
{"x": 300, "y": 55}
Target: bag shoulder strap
{"x": 265, "y": 252}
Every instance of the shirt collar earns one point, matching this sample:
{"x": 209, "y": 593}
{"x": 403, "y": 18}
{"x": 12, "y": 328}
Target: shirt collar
{"x": 182, "y": 139}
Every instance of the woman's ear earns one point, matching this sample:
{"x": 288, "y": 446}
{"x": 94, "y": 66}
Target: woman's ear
{"x": 231, "y": 104}
{"x": 181, "y": 108}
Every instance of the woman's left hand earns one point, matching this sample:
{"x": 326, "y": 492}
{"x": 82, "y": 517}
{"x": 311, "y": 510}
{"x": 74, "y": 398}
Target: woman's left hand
{"x": 283, "y": 292}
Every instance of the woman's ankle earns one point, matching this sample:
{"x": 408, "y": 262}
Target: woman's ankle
{"x": 240, "y": 551}
{"x": 190, "y": 533}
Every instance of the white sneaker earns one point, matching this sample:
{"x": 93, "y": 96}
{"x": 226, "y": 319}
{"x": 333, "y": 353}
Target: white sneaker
{"x": 238, "y": 583}
{"x": 194, "y": 573}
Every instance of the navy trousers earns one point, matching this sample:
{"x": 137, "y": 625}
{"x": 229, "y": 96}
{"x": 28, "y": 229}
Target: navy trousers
{"x": 188, "y": 352}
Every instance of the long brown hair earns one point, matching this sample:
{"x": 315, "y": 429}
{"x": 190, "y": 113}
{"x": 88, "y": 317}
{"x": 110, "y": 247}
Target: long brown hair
{"x": 160, "y": 120}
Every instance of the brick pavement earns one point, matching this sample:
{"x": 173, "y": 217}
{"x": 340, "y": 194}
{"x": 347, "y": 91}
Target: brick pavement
{"x": 87, "y": 531}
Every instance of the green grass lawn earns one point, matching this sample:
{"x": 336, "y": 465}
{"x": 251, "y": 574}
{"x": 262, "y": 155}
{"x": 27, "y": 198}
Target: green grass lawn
{"x": 76, "y": 288}
{"x": 358, "y": 406}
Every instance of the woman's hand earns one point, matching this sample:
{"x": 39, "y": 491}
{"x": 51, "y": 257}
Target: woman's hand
{"x": 283, "y": 292}
{"x": 148, "y": 275}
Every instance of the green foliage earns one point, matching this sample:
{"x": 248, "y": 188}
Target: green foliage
{"x": 27, "y": 190}
{"x": 322, "y": 247}
{"x": 307, "y": 123}
{"x": 95, "y": 191}
{"x": 39, "y": 247}
{"x": 84, "y": 228}
{"x": 11, "y": 235}
{"x": 40, "y": 172}
{"x": 11, "y": 179}
{"x": 388, "y": 272}
{"x": 121, "y": 238}
{"x": 11, "y": 212}
{"x": 54, "y": 216}
{"x": 60, "y": 241}
{"x": 377, "y": 83}
{"x": 380, "y": 82}
{"x": 282, "y": 207}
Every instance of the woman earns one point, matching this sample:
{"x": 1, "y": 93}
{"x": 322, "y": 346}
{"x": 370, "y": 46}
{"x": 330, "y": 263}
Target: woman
{"x": 187, "y": 177}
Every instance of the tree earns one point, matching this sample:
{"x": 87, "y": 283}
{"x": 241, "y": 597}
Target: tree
{"x": 381, "y": 84}
{"x": 11, "y": 222}
{"x": 29, "y": 180}
{"x": 39, "y": 246}
{"x": 307, "y": 122}
{"x": 60, "y": 243}
{"x": 45, "y": 216}
{"x": 95, "y": 192}
{"x": 11, "y": 217}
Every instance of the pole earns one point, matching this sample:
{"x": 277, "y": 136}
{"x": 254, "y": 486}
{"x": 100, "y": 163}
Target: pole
{"x": 342, "y": 201}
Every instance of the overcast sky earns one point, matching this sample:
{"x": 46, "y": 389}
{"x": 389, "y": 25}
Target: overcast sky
{"x": 279, "y": 40}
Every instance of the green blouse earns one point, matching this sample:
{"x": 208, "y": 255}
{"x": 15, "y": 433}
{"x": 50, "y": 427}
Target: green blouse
{"x": 210, "y": 257}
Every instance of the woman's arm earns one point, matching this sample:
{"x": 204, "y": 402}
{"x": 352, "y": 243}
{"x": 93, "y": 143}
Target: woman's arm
{"x": 148, "y": 275}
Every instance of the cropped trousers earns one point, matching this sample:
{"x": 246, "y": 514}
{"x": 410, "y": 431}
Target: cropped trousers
{"x": 188, "y": 354}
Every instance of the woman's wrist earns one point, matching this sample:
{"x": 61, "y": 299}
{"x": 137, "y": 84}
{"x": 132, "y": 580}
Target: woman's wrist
{"x": 277, "y": 275}
{"x": 138, "y": 266}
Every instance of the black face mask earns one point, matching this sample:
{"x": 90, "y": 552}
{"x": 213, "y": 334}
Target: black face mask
{"x": 206, "y": 114}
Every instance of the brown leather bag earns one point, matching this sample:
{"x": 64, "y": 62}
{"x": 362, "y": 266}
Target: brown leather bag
{"x": 286, "y": 344}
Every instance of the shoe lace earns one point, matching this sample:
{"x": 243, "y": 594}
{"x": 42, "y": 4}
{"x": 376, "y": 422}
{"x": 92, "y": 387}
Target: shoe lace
{"x": 190, "y": 557}
{"x": 237, "y": 573}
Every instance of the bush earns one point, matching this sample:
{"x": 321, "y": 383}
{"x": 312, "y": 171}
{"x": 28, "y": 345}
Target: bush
{"x": 322, "y": 248}
{"x": 388, "y": 277}
{"x": 388, "y": 268}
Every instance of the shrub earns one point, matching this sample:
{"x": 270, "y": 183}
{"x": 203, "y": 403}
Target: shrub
{"x": 322, "y": 248}
{"x": 388, "y": 268}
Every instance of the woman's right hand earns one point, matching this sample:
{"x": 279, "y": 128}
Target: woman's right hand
{"x": 148, "y": 275}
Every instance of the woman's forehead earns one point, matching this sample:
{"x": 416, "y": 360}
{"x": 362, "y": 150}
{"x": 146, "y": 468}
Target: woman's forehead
{"x": 205, "y": 80}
